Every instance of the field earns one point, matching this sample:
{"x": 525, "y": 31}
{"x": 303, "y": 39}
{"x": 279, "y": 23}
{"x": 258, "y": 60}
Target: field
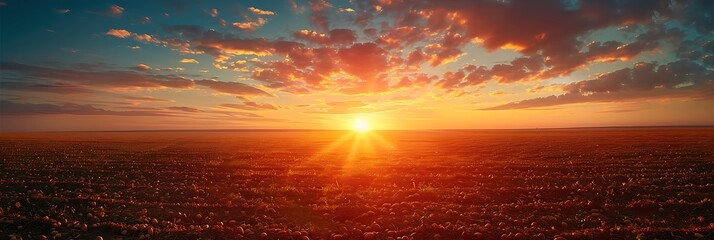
{"x": 617, "y": 183}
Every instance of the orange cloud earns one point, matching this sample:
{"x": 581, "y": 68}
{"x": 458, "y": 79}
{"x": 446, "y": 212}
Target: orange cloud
{"x": 189, "y": 60}
{"x": 116, "y": 11}
{"x": 364, "y": 60}
{"x": 257, "y": 11}
{"x": 349, "y": 10}
{"x": 213, "y": 12}
{"x": 142, "y": 67}
{"x": 335, "y": 36}
{"x": 120, "y": 33}
{"x": 250, "y": 25}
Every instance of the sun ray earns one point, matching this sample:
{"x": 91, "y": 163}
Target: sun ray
{"x": 354, "y": 146}
{"x": 381, "y": 140}
{"x": 334, "y": 145}
{"x": 354, "y": 150}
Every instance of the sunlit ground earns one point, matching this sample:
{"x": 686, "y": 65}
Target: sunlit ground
{"x": 360, "y": 142}
{"x": 546, "y": 184}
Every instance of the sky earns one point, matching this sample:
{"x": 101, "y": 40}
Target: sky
{"x": 321, "y": 64}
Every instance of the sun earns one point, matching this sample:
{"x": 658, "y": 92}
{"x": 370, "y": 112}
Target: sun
{"x": 361, "y": 125}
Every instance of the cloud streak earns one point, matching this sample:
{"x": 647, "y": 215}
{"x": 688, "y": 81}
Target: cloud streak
{"x": 129, "y": 80}
{"x": 681, "y": 79}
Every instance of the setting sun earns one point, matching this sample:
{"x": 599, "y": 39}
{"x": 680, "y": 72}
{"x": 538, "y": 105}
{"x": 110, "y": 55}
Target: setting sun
{"x": 361, "y": 125}
{"x": 372, "y": 119}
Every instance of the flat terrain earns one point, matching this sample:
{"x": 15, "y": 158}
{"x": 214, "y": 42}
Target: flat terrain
{"x": 620, "y": 183}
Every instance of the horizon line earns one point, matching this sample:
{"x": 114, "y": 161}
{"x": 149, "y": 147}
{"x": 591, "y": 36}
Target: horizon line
{"x": 317, "y": 129}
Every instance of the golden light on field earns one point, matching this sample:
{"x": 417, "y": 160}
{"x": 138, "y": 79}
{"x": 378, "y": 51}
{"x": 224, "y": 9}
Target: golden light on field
{"x": 359, "y": 144}
{"x": 361, "y": 125}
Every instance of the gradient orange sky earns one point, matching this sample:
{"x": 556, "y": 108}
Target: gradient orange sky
{"x": 399, "y": 64}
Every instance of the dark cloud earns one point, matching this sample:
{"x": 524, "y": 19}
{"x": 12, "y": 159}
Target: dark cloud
{"x": 319, "y": 16}
{"x": 103, "y": 79}
{"x": 58, "y": 88}
{"x": 64, "y": 79}
{"x": 194, "y": 39}
{"x": 146, "y": 99}
{"x": 520, "y": 69}
{"x": 534, "y": 28}
{"x": 698, "y": 13}
{"x": 232, "y": 88}
{"x": 10, "y": 108}
{"x": 680, "y": 79}
{"x": 398, "y": 37}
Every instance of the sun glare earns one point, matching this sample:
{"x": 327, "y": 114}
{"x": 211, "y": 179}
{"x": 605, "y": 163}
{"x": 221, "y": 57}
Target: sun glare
{"x": 361, "y": 125}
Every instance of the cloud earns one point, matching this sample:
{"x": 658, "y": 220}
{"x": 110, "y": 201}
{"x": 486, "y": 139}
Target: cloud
{"x": 697, "y": 13}
{"x": 345, "y": 107}
{"x": 11, "y": 108}
{"x": 130, "y": 80}
{"x": 353, "y": 86}
{"x": 407, "y": 36}
{"x": 146, "y": 99}
{"x": 194, "y": 39}
{"x": 539, "y": 26}
{"x": 415, "y": 80}
{"x": 184, "y": 109}
{"x": 519, "y": 70}
{"x": 466, "y": 76}
{"x": 349, "y": 10}
{"x": 645, "y": 76}
{"x": 233, "y": 88}
{"x": 62, "y": 11}
{"x": 257, "y": 11}
{"x": 347, "y": 104}
{"x": 319, "y": 14}
{"x": 335, "y": 36}
{"x": 213, "y": 12}
{"x": 363, "y": 68}
{"x": 534, "y": 28}
{"x": 539, "y": 88}
{"x": 364, "y": 60}
{"x": 250, "y": 25}
{"x": 115, "y": 11}
{"x": 120, "y": 33}
{"x": 55, "y": 88}
{"x": 188, "y": 60}
{"x": 295, "y": 7}
{"x": 100, "y": 79}
{"x": 142, "y": 67}
{"x": 251, "y": 106}
{"x": 680, "y": 79}
{"x": 403, "y": 36}
{"x": 498, "y": 92}
{"x": 253, "y": 25}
